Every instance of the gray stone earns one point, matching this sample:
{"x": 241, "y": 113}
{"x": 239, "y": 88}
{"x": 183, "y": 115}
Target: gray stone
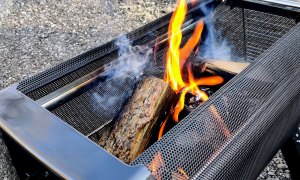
{"x": 271, "y": 173}
{"x": 264, "y": 174}
{"x": 282, "y": 166}
{"x": 261, "y": 176}
{"x": 287, "y": 171}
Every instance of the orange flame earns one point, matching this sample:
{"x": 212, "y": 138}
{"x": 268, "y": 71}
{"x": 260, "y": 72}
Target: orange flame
{"x": 193, "y": 89}
{"x": 180, "y": 174}
{"x": 155, "y": 165}
{"x": 173, "y": 70}
{"x": 192, "y": 42}
{"x": 185, "y": 176}
{"x": 176, "y": 62}
{"x": 177, "y": 57}
{"x": 162, "y": 128}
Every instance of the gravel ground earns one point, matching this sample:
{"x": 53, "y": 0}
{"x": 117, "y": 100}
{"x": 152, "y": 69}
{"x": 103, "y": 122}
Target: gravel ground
{"x": 37, "y": 34}
{"x": 276, "y": 170}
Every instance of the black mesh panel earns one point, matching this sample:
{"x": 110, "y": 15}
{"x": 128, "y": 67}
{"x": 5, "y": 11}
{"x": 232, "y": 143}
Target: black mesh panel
{"x": 261, "y": 33}
{"x": 251, "y": 109}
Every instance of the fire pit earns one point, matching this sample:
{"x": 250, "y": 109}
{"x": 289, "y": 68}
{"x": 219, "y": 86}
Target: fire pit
{"x": 176, "y": 112}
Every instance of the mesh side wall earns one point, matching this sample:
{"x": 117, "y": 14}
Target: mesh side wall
{"x": 263, "y": 30}
{"x": 250, "y": 107}
{"x": 104, "y": 56}
{"x": 229, "y": 28}
{"x": 249, "y": 32}
{"x": 94, "y": 108}
{"x": 261, "y": 153}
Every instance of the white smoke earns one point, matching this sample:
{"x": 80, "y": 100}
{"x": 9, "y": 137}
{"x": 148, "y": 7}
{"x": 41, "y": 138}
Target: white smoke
{"x": 131, "y": 61}
{"x": 121, "y": 77}
{"x": 214, "y": 45}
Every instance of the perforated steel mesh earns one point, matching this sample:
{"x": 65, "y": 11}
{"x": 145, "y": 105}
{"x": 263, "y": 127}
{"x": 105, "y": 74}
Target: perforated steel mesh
{"x": 252, "y": 107}
{"x": 261, "y": 33}
{"x": 229, "y": 24}
{"x": 95, "y": 107}
{"x": 248, "y": 107}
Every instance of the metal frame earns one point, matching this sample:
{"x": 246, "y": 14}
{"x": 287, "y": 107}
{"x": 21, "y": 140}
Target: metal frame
{"x": 283, "y": 4}
{"x": 65, "y": 160}
{"x": 57, "y": 146}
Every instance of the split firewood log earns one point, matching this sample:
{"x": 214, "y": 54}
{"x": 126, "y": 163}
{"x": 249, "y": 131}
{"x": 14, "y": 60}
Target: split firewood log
{"x": 227, "y": 66}
{"x": 134, "y": 127}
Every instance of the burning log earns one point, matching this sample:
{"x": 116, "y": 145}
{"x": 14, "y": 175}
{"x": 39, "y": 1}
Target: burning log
{"x": 134, "y": 128}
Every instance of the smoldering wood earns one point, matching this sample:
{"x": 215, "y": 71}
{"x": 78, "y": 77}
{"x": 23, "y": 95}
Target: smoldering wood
{"x": 134, "y": 127}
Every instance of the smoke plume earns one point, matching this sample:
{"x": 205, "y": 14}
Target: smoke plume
{"x": 122, "y": 76}
{"x": 214, "y": 45}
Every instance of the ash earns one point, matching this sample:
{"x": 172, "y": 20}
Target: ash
{"x": 195, "y": 101}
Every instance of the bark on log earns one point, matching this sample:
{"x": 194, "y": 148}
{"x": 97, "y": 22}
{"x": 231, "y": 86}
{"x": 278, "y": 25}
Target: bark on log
{"x": 105, "y": 135}
{"x": 133, "y": 129}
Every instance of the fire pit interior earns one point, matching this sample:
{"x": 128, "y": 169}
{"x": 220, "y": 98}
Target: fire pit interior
{"x": 153, "y": 72}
